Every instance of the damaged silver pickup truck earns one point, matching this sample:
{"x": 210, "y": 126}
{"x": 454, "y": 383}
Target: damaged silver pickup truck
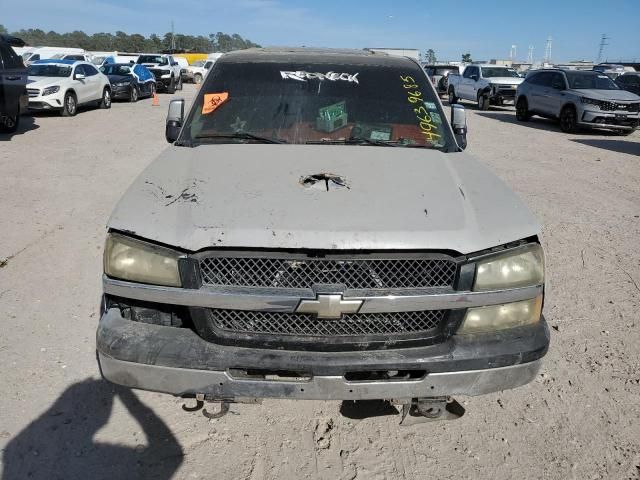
{"x": 316, "y": 232}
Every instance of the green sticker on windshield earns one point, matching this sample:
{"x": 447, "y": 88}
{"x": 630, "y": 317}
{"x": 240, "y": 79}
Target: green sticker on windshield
{"x": 436, "y": 118}
{"x": 430, "y": 105}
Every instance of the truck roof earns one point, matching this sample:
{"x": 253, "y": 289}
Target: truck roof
{"x": 315, "y": 55}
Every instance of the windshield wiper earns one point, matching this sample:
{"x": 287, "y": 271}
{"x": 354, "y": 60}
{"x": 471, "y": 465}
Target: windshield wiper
{"x": 239, "y": 135}
{"x": 355, "y": 141}
{"x": 367, "y": 141}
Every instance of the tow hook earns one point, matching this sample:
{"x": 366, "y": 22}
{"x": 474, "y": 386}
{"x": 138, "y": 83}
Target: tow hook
{"x": 224, "y": 404}
{"x": 429, "y": 409}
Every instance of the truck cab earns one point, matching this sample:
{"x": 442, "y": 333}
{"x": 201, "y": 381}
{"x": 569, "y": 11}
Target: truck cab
{"x": 485, "y": 84}
{"x": 166, "y": 70}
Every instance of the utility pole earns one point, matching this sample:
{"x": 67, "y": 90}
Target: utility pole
{"x": 173, "y": 38}
{"x": 603, "y": 43}
{"x": 530, "y": 55}
{"x": 513, "y": 52}
{"x": 547, "y": 50}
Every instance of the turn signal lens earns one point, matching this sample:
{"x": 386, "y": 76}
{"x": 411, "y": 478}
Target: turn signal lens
{"x": 499, "y": 317}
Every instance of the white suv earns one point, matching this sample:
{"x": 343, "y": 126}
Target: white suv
{"x": 65, "y": 84}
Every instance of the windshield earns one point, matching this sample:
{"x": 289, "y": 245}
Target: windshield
{"x": 317, "y": 103}
{"x": 489, "y": 72}
{"x": 49, "y": 70}
{"x": 198, "y": 63}
{"x": 152, "y": 59}
{"x": 98, "y": 60}
{"x": 590, "y": 81}
{"x": 116, "y": 69}
{"x": 442, "y": 71}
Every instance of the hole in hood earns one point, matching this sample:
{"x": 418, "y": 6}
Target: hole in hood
{"x": 323, "y": 181}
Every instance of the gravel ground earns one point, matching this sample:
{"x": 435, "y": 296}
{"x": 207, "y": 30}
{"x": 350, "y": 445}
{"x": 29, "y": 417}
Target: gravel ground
{"x": 59, "y": 180}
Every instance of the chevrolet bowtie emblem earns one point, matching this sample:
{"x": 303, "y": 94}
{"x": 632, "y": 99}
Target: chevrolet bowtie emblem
{"x": 329, "y": 306}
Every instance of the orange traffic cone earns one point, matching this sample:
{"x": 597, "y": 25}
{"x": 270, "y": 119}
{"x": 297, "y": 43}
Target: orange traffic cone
{"x": 156, "y": 101}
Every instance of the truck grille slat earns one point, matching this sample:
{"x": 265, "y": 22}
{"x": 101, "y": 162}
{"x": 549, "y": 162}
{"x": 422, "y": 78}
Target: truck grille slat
{"x": 281, "y": 323}
{"x": 304, "y": 273}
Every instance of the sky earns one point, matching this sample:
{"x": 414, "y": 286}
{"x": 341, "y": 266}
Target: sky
{"x": 485, "y": 29}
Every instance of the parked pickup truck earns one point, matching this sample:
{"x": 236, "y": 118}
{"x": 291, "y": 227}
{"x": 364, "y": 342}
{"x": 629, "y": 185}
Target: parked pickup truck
{"x": 485, "y": 84}
{"x": 315, "y": 231}
{"x": 165, "y": 69}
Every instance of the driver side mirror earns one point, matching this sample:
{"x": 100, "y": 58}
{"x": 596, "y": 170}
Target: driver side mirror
{"x": 459, "y": 124}
{"x": 79, "y": 76}
{"x": 557, "y": 85}
{"x": 474, "y": 77}
{"x": 175, "y": 118}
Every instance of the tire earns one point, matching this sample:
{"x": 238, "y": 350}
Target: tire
{"x": 483, "y": 102}
{"x": 197, "y": 79}
{"x": 172, "y": 86}
{"x": 70, "y": 106}
{"x": 569, "y": 119}
{"x": 522, "y": 110}
{"x": 133, "y": 94}
{"x": 452, "y": 96}
{"x": 10, "y": 124}
{"x": 105, "y": 101}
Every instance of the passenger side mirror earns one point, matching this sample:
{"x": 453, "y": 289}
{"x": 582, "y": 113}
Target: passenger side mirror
{"x": 557, "y": 85}
{"x": 79, "y": 76}
{"x": 175, "y": 118}
{"x": 474, "y": 77}
{"x": 459, "y": 125}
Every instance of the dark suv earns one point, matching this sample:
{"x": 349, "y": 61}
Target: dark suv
{"x": 13, "y": 82}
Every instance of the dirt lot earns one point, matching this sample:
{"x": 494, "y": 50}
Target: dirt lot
{"x": 59, "y": 180}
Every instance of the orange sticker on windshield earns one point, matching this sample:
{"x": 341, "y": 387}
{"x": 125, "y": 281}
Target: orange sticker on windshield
{"x": 213, "y": 101}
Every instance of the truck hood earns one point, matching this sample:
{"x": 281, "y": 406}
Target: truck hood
{"x": 505, "y": 80}
{"x": 606, "y": 95}
{"x": 254, "y": 195}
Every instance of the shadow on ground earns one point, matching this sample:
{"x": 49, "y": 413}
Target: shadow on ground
{"x": 361, "y": 409}
{"x": 60, "y": 444}
{"x": 27, "y": 123}
{"x": 535, "y": 122}
{"x": 620, "y": 146}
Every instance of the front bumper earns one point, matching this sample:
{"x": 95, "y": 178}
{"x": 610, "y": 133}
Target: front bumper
{"x": 612, "y": 120}
{"x": 48, "y": 102}
{"x": 123, "y": 92}
{"x": 177, "y": 361}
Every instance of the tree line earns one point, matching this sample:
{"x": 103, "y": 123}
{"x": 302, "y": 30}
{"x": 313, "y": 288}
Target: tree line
{"x": 123, "y": 42}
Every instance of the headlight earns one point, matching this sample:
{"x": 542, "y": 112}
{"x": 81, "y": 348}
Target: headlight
{"x": 129, "y": 259}
{"x": 499, "y": 317}
{"x": 121, "y": 84}
{"x": 519, "y": 267}
{"x": 590, "y": 101}
{"x": 50, "y": 90}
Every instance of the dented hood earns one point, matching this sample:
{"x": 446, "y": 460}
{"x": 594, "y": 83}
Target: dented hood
{"x": 254, "y": 195}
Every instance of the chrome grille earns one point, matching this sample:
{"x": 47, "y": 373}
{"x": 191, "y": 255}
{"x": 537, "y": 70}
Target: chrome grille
{"x": 369, "y": 273}
{"x": 613, "y": 106}
{"x": 33, "y": 92}
{"x": 282, "y": 323}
